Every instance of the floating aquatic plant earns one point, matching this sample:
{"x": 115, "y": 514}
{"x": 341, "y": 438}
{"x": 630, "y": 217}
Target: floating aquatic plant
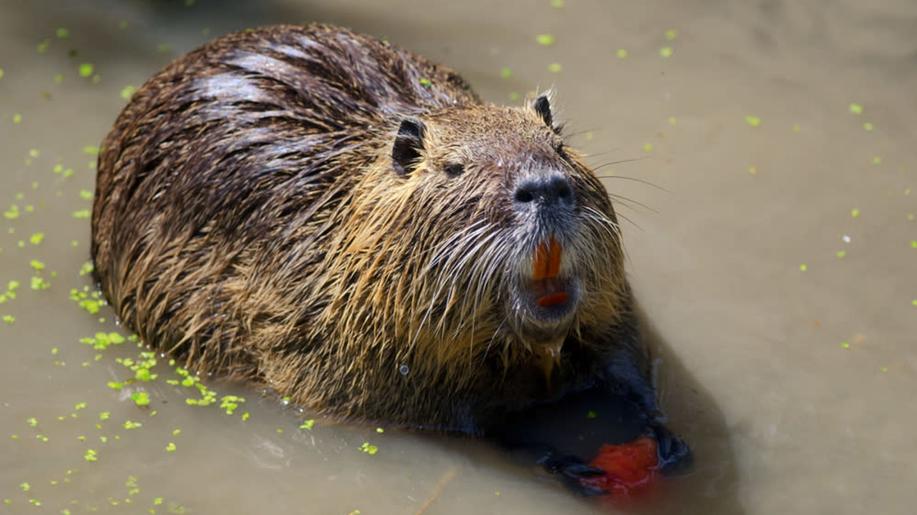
{"x": 545, "y": 39}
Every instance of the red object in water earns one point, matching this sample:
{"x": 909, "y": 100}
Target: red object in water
{"x": 630, "y": 468}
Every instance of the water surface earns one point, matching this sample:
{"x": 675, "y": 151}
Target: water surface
{"x": 774, "y": 253}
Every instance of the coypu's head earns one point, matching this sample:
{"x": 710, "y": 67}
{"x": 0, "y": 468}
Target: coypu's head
{"x": 483, "y": 232}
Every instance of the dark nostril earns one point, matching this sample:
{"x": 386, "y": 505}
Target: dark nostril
{"x": 561, "y": 188}
{"x": 546, "y": 190}
{"x": 524, "y": 194}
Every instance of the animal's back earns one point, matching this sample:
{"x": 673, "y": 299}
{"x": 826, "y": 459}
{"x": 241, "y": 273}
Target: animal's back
{"x": 225, "y": 157}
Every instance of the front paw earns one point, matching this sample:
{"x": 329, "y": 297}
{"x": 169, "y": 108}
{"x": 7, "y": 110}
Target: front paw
{"x": 674, "y": 455}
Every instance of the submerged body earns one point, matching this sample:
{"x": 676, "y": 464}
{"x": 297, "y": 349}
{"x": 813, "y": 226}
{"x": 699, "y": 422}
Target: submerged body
{"x": 346, "y": 222}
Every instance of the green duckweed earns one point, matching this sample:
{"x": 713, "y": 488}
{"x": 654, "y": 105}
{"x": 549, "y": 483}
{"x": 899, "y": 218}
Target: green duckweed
{"x": 229, "y": 403}
{"x": 141, "y": 398}
{"x": 101, "y": 341}
{"x": 12, "y": 213}
{"x": 39, "y": 283}
{"x": 545, "y": 39}
{"x": 128, "y": 91}
{"x": 752, "y": 120}
{"x": 91, "y": 302}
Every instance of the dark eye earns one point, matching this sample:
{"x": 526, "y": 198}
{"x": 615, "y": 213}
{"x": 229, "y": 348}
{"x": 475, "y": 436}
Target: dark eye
{"x": 454, "y": 170}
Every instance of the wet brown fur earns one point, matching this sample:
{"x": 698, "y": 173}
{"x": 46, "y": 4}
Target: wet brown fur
{"x": 248, "y": 220}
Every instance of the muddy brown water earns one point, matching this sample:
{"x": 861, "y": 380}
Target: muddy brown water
{"x": 774, "y": 253}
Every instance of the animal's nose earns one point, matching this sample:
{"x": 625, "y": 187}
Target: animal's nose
{"x": 547, "y": 190}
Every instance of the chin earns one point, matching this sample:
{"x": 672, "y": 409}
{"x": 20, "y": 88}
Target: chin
{"x": 543, "y": 310}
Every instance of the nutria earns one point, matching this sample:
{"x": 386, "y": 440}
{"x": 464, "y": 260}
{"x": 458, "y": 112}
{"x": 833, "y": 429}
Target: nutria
{"x": 344, "y": 221}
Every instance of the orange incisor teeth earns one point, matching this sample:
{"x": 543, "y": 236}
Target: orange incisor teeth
{"x": 546, "y": 264}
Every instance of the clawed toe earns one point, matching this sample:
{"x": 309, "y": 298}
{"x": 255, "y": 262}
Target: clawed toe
{"x": 674, "y": 455}
{"x": 574, "y": 471}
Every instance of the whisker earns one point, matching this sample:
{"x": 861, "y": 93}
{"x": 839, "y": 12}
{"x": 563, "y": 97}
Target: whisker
{"x": 454, "y": 245}
{"x": 628, "y": 220}
{"x": 601, "y": 223}
{"x": 626, "y": 178}
{"x": 580, "y": 132}
{"x": 625, "y": 200}
{"x": 618, "y": 162}
{"x": 597, "y": 154}
{"x": 600, "y": 217}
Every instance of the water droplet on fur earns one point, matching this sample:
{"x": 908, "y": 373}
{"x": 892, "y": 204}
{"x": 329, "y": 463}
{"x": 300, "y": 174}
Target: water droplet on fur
{"x": 404, "y": 370}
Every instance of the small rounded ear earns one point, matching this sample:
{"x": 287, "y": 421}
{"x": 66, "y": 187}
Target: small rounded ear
{"x": 542, "y": 106}
{"x": 408, "y": 145}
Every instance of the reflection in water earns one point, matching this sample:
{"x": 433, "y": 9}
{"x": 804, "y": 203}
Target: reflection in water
{"x": 776, "y": 272}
